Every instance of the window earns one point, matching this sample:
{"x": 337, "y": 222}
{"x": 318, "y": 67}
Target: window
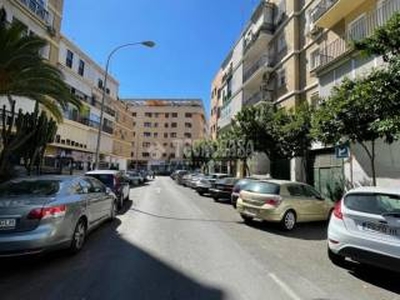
{"x": 166, "y": 125}
{"x": 166, "y": 135}
{"x": 81, "y": 68}
{"x": 167, "y": 115}
{"x": 148, "y": 115}
{"x": 173, "y": 134}
{"x": 134, "y": 124}
{"x": 263, "y": 188}
{"x": 373, "y": 203}
{"x": 58, "y": 138}
{"x": 155, "y": 125}
{"x": 145, "y": 154}
{"x": 155, "y": 134}
{"x": 311, "y": 192}
{"x": 188, "y": 135}
{"x": 174, "y": 115}
{"x": 69, "y": 59}
{"x": 165, "y": 144}
{"x": 147, "y": 134}
{"x": 314, "y": 59}
{"x": 156, "y": 115}
{"x": 164, "y": 155}
{"x": 281, "y": 10}
{"x": 188, "y": 115}
{"x": 281, "y": 78}
{"x": 188, "y": 125}
{"x": 172, "y": 155}
{"x": 174, "y": 125}
{"x": 146, "y": 144}
{"x": 147, "y": 124}
{"x": 107, "y": 91}
{"x": 295, "y": 191}
{"x": 134, "y": 134}
{"x": 100, "y": 84}
{"x": 134, "y": 114}
{"x": 281, "y": 43}
{"x": 132, "y": 154}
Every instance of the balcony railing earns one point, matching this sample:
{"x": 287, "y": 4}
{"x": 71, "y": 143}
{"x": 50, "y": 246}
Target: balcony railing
{"x": 37, "y": 8}
{"x": 253, "y": 99}
{"x": 321, "y": 8}
{"x": 263, "y": 61}
{"x": 108, "y": 129}
{"x": 359, "y": 30}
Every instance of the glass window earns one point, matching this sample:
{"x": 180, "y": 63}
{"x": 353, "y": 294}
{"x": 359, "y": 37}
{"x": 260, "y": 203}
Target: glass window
{"x": 295, "y": 190}
{"x": 96, "y": 186}
{"x": 81, "y": 68}
{"x": 69, "y": 59}
{"x": 174, "y": 125}
{"x": 32, "y": 188}
{"x": 174, "y": 115}
{"x": 188, "y": 115}
{"x": 263, "y": 188}
{"x": 107, "y": 179}
{"x": 373, "y": 203}
{"x": 311, "y": 192}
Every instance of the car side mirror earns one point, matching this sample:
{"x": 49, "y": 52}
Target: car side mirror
{"x": 108, "y": 191}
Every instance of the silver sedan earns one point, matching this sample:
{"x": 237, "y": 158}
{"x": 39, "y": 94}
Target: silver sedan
{"x": 51, "y": 212}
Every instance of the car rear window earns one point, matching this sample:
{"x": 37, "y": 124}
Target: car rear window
{"x": 229, "y": 181}
{"x": 107, "y": 179}
{"x": 263, "y": 188}
{"x": 373, "y": 203}
{"x": 31, "y": 188}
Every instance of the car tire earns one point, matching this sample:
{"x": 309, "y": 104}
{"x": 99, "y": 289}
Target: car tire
{"x": 336, "y": 259}
{"x": 121, "y": 202}
{"x": 246, "y": 219}
{"x": 114, "y": 211}
{"x": 201, "y": 193}
{"x": 78, "y": 237}
{"x": 216, "y": 199}
{"x": 288, "y": 222}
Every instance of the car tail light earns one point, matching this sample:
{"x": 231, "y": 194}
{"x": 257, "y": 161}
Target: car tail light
{"x": 273, "y": 202}
{"x": 47, "y": 212}
{"x": 337, "y": 211}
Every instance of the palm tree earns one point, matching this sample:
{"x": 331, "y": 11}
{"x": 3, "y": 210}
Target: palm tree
{"x": 24, "y": 73}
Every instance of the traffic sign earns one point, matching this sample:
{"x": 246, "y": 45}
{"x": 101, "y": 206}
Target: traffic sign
{"x": 342, "y": 151}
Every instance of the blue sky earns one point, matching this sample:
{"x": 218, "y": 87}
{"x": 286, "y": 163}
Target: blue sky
{"x": 192, "y": 36}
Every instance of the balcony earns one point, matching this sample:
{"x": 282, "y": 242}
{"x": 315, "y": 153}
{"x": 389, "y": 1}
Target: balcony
{"x": 263, "y": 63}
{"x": 262, "y": 26}
{"x": 362, "y": 28}
{"x": 108, "y": 129}
{"x": 37, "y": 9}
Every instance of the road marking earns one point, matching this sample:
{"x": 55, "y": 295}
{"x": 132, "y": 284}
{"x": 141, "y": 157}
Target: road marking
{"x": 284, "y": 287}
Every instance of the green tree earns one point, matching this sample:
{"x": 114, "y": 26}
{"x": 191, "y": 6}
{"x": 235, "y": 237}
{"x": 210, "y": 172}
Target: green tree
{"x": 24, "y": 73}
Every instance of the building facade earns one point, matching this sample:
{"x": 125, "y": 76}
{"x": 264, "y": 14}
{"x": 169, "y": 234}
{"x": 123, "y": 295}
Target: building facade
{"x": 163, "y": 128}
{"x": 216, "y": 103}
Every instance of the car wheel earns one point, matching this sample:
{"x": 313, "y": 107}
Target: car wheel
{"x": 247, "y": 219}
{"x": 201, "y": 193}
{"x": 336, "y": 259}
{"x": 79, "y": 237}
{"x": 121, "y": 202}
{"x": 215, "y": 198}
{"x": 114, "y": 210}
{"x": 289, "y": 220}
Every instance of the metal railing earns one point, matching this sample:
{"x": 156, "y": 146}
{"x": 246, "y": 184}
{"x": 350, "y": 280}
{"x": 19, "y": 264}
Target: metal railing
{"x": 362, "y": 28}
{"x": 258, "y": 64}
{"x": 37, "y": 8}
{"x": 253, "y": 99}
{"x": 321, "y": 8}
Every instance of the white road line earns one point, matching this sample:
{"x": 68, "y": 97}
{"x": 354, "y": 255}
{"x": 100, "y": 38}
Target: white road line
{"x": 284, "y": 287}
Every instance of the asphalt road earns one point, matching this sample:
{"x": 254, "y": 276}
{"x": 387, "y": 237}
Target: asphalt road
{"x": 171, "y": 243}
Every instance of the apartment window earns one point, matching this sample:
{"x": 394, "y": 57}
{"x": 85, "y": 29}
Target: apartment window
{"x": 146, "y": 144}
{"x": 165, "y": 144}
{"x": 164, "y": 155}
{"x": 100, "y": 84}
{"x": 188, "y": 125}
{"x": 81, "y": 68}
{"x": 172, "y": 145}
{"x": 147, "y": 134}
{"x": 134, "y": 124}
{"x": 166, "y": 135}
{"x": 134, "y": 114}
{"x": 167, "y": 115}
{"x": 188, "y": 115}
{"x": 148, "y": 115}
{"x": 147, "y": 124}
{"x": 155, "y": 125}
{"x": 173, "y": 134}
{"x": 172, "y": 155}
{"x": 69, "y": 59}
{"x": 58, "y": 138}
{"x": 281, "y": 43}
{"x": 107, "y": 91}
{"x": 134, "y": 134}
{"x": 156, "y": 115}
{"x": 174, "y": 125}
{"x": 188, "y": 135}
{"x": 155, "y": 134}
{"x": 145, "y": 154}
{"x": 281, "y": 77}
{"x": 166, "y": 125}
{"x": 315, "y": 59}
{"x": 132, "y": 154}
{"x": 174, "y": 115}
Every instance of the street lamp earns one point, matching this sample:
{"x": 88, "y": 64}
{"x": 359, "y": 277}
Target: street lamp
{"x": 149, "y": 44}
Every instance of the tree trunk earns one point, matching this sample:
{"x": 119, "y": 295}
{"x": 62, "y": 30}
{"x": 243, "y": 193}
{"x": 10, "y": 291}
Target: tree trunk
{"x": 373, "y": 163}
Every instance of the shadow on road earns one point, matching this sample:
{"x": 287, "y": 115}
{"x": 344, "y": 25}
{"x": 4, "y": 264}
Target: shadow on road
{"x": 109, "y": 267}
{"x": 316, "y": 231}
{"x": 180, "y": 218}
{"x": 127, "y": 206}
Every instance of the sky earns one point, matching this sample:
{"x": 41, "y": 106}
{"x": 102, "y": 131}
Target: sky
{"x": 193, "y": 37}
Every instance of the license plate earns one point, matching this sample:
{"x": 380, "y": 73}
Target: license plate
{"x": 380, "y": 228}
{"x": 7, "y": 224}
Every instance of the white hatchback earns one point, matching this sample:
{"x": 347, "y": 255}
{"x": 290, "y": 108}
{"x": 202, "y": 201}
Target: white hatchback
{"x": 365, "y": 227}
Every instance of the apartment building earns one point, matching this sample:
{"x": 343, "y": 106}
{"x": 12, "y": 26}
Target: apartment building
{"x": 77, "y": 135}
{"x": 39, "y": 17}
{"x": 216, "y": 103}
{"x": 163, "y": 128}
{"x": 339, "y": 22}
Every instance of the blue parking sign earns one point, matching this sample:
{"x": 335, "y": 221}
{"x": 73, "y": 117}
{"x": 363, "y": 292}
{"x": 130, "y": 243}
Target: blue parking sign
{"x": 342, "y": 151}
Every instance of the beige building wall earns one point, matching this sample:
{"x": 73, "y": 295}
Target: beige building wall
{"x": 216, "y": 102}
{"x": 123, "y": 132}
{"x": 163, "y": 128}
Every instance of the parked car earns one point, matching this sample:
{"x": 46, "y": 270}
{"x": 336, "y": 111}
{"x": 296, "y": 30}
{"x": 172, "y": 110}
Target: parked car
{"x": 194, "y": 179}
{"x": 365, "y": 226}
{"x": 203, "y": 185}
{"x": 282, "y": 201}
{"x": 116, "y": 181}
{"x": 223, "y": 188}
{"x": 51, "y": 212}
{"x": 237, "y": 188}
{"x": 135, "y": 178}
{"x": 180, "y": 176}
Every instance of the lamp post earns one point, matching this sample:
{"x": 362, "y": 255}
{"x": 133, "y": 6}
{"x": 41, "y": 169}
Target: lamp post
{"x": 149, "y": 44}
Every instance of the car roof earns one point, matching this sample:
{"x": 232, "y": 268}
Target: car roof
{"x": 102, "y": 172}
{"x": 47, "y": 177}
{"x": 373, "y": 189}
{"x": 282, "y": 182}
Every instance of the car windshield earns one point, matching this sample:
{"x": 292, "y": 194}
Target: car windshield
{"x": 263, "y": 188}
{"x": 32, "y": 188}
{"x": 227, "y": 181}
{"x": 373, "y": 203}
{"x": 107, "y": 179}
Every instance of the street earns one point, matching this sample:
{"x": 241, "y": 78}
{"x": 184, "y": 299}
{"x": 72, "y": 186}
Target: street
{"x": 171, "y": 243}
